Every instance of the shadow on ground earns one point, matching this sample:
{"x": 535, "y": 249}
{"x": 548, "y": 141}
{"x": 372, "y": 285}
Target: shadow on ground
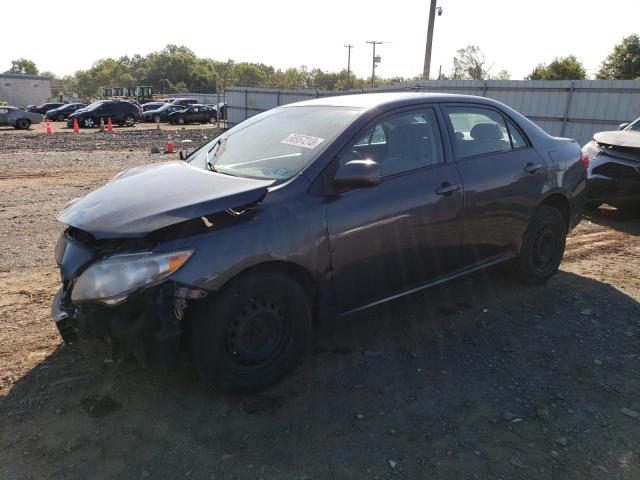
{"x": 482, "y": 378}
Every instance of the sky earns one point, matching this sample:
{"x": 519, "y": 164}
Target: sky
{"x": 514, "y": 35}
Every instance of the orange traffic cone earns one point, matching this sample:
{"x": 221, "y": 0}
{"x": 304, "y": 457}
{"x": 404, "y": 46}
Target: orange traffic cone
{"x": 109, "y": 125}
{"x": 170, "y": 147}
{"x": 49, "y": 132}
{"x": 76, "y": 129}
{"x": 101, "y": 124}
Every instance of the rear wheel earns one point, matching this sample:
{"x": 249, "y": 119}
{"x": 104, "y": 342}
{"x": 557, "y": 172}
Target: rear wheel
{"x": 543, "y": 246}
{"x": 212, "y": 119}
{"x": 89, "y": 122}
{"x": 23, "y": 124}
{"x": 255, "y": 331}
{"x": 129, "y": 120}
{"x": 180, "y": 120}
{"x": 60, "y": 117}
{"x": 156, "y": 118}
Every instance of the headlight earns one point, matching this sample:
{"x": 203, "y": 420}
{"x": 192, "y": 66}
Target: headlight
{"x": 591, "y": 149}
{"x": 112, "y": 279}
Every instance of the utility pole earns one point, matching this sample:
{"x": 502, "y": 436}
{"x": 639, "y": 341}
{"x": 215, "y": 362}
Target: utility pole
{"x": 349, "y": 46}
{"x": 427, "y": 53}
{"x": 375, "y": 60}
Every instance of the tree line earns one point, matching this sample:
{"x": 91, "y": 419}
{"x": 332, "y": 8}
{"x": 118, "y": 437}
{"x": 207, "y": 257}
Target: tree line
{"x": 177, "y": 69}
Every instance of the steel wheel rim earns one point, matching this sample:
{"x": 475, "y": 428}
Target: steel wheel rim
{"x": 545, "y": 246}
{"x": 88, "y": 122}
{"x": 256, "y": 335}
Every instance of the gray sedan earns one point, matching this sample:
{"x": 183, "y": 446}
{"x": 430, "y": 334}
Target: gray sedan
{"x": 17, "y": 118}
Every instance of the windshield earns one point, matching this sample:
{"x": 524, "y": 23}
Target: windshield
{"x": 276, "y": 144}
{"x": 95, "y": 105}
{"x": 635, "y": 126}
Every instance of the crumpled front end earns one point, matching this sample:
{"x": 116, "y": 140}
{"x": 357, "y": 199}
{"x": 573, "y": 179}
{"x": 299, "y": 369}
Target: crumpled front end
{"x": 147, "y": 322}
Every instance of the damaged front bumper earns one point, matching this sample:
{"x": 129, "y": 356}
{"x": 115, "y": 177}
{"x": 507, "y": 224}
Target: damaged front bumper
{"x": 148, "y": 325}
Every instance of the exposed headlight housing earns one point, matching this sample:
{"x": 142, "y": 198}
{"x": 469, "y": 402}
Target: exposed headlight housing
{"x": 112, "y": 279}
{"x": 591, "y": 149}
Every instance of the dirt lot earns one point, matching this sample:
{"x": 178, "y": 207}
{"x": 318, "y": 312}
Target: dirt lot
{"x": 479, "y": 379}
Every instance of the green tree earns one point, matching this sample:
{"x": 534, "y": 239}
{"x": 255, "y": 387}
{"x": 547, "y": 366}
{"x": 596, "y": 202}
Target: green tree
{"x": 624, "y": 62}
{"x": 562, "y": 68}
{"x": 503, "y": 75}
{"x": 469, "y": 64}
{"x": 23, "y": 66}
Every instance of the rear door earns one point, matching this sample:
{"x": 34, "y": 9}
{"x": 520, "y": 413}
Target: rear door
{"x": 504, "y": 178}
{"x": 4, "y": 114}
{"x": 405, "y": 231}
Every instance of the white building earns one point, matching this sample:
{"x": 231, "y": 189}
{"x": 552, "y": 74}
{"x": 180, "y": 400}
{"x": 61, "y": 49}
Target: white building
{"x": 23, "y": 90}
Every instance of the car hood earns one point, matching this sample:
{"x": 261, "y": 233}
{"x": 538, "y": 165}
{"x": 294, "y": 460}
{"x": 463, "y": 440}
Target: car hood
{"x": 619, "y": 138}
{"x": 141, "y": 200}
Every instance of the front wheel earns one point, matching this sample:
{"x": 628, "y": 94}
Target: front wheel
{"x": 256, "y": 330}
{"x": 156, "y": 118}
{"x": 180, "y": 121}
{"x": 129, "y": 121}
{"x": 89, "y": 122}
{"x": 543, "y": 246}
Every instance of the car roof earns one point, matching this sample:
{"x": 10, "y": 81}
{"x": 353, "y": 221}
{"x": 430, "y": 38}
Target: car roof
{"x": 388, "y": 99}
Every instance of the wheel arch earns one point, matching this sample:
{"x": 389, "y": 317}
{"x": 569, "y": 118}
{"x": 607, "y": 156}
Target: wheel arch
{"x": 294, "y": 270}
{"x": 559, "y": 201}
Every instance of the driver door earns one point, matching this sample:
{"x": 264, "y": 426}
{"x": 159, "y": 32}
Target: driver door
{"x": 4, "y": 116}
{"x": 406, "y": 231}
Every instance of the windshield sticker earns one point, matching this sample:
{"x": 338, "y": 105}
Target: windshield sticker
{"x": 305, "y": 141}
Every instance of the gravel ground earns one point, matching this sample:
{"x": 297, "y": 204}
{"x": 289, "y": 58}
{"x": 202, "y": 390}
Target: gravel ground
{"x": 479, "y": 379}
{"x": 139, "y": 138}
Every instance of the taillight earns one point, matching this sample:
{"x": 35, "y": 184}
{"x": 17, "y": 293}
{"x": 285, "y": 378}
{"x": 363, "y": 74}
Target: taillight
{"x": 584, "y": 159}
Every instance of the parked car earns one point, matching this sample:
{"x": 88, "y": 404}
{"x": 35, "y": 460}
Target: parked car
{"x": 121, "y": 112}
{"x": 310, "y": 210}
{"x": 614, "y": 167}
{"x": 14, "y": 117}
{"x": 45, "y": 107}
{"x": 61, "y": 113}
{"x": 193, "y": 114}
{"x": 221, "y": 110}
{"x": 161, "y": 114}
{"x": 184, "y": 101}
{"x": 151, "y": 106}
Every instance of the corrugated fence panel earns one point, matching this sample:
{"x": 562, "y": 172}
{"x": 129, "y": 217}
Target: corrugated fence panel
{"x": 574, "y": 109}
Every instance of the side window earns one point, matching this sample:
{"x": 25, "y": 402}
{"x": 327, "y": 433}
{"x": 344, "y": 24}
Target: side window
{"x": 478, "y": 131}
{"x": 400, "y": 143}
{"x": 195, "y": 109}
{"x": 517, "y": 140}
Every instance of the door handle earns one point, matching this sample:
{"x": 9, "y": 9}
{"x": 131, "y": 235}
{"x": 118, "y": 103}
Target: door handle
{"x": 532, "y": 167}
{"x": 447, "y": 189}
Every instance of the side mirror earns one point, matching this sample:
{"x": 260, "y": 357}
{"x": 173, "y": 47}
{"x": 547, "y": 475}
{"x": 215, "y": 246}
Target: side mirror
{"x": 357, "y": 174}
{"x": 622, "y": 126}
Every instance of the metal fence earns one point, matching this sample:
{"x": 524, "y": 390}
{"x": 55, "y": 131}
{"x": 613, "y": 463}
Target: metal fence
{"x": 568, "y": 108}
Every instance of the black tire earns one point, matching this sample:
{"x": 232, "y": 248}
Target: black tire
{"x": 156, "y": 118}
{"x": 89, "y": 122}
{"x": 212, "y": 119}
{"x": 181, "y": 121}
{"x": 543, "y": 246}
{"x": 23, "y": 124}
{"x": 60, "y": 117}
{"x": 254, "y": 332}
{"x": 129, "y": 121}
